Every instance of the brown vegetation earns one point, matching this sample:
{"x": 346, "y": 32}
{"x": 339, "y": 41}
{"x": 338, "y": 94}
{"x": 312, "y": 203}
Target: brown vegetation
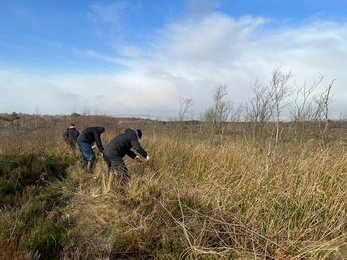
{"x": 250, "y": 196}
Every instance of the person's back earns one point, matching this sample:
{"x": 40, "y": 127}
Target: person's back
{"x": 91, "y": 135}
{"x": 121, "y": 144}
{"x": 86, "y": 139}
{"x": 71, "y": 134}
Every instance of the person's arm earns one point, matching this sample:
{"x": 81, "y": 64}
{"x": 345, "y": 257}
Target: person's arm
{"x": 131, "y": 154}
{"x": 98, "y": 140}
{"x": 136, "y": 145}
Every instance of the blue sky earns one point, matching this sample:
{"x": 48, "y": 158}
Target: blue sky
{"x": 139, "y": 57}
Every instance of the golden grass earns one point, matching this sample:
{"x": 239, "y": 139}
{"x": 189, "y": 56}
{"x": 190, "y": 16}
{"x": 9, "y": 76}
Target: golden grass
{"x": 244, "y": 200}
{"x": 220, "y": 203}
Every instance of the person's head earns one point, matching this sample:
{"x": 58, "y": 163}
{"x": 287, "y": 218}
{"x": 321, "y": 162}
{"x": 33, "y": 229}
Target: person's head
{"x": 139, "y": 133}
{"x": 101, "y": 128}
{"x": 72, "y": 125}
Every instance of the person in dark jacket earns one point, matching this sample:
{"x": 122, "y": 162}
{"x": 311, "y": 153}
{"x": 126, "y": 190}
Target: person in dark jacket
{"x": 70, "y": 136}
{"x": 120, "y": 146}
{"x": 89, "y": 139}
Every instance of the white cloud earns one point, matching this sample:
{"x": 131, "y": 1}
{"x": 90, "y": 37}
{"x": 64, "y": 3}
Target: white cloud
{"x": 188, "y": 58}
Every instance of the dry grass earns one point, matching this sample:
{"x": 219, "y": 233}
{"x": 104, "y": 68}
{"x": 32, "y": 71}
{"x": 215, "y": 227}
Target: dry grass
{"x": 244, "y": 200}
{"x": 217, "y": 203}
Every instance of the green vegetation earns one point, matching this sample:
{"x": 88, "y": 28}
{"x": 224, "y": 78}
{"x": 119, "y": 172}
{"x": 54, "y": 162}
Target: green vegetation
{"x": 30, "y": 202}
{"x": 14, "y": 116}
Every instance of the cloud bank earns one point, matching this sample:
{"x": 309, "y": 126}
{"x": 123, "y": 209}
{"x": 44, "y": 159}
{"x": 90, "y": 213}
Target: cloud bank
{"x": 186, "y": 57}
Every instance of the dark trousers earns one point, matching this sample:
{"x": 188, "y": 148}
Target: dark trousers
{"x": 115, "y": 163}
{"x": 87, "y": 152}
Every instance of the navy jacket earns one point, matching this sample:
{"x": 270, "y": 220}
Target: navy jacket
{"x": 91, "y": 135}
{"x": 71, "y": 134}
{"x": 121, "y": 145}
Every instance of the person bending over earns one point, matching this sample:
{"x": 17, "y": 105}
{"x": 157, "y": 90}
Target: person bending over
{"x": 86, "y": 141}
{"x": 120, "y": 146}
{"x": 70, "y": 135}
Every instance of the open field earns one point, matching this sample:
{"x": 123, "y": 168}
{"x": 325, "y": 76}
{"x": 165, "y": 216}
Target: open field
{"x": 241, "y": 195}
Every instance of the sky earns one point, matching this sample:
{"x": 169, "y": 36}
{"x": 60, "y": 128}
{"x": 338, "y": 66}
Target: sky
{"x": 144, "y": 57}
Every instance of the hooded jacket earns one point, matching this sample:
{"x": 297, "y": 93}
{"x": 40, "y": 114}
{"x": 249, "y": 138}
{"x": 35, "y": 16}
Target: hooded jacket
{"x": 91, "y": 135}
{"x": 120, "y": 146}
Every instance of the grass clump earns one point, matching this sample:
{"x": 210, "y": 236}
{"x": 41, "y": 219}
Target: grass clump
{"x": 30, "y": 204}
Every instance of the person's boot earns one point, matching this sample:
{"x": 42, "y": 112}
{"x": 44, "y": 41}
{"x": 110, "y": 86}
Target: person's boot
{"x": 90, "y": 167}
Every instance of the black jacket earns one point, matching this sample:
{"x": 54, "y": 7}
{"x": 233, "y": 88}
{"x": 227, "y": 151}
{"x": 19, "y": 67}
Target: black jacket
{"x": 91, "y": 135}
{"x": 71, "y": 134}
{"x": 121, "y": 145}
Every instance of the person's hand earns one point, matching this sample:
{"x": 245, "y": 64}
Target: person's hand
{"x": 147, "y": 158}
{"x": 137, "y": 158}
{"x": 94, "y": 146}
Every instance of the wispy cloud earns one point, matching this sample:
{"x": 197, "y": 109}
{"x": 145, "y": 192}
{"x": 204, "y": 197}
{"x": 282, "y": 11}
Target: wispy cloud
{"x": 109, "y": 14}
